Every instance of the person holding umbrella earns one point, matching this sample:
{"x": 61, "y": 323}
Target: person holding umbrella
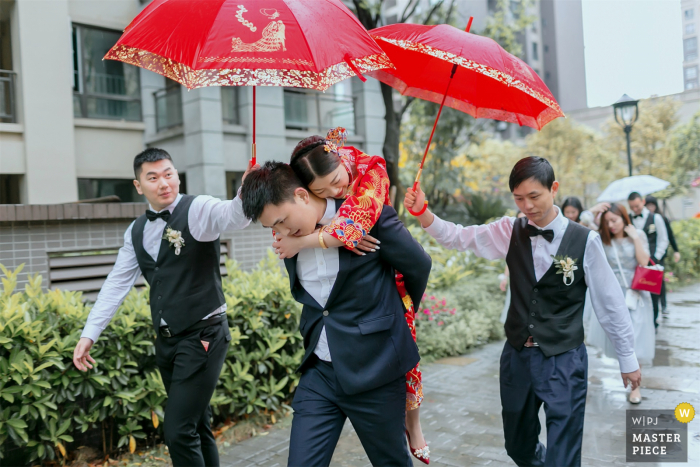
{"x": 552, "y": 261}
{"x": 653, "y": 206}
{"x": 654, "y": 227}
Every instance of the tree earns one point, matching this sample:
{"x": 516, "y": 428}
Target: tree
{"x": 368, "y": 13}
{"x": 441, "y": 180}
{"x": 650, "y": 137}
{"x": 582, "y": 164}
{"x": 685, "y": 149}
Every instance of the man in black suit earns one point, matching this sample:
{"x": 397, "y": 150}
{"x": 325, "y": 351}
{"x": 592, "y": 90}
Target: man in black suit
{"x": 358, "y": 346}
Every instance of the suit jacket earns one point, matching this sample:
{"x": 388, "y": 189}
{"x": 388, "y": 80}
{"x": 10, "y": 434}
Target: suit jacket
{"x": 368, "y": 337}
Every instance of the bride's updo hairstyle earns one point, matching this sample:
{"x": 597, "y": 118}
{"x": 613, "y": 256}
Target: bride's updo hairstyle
{"x": 310, "y": 160}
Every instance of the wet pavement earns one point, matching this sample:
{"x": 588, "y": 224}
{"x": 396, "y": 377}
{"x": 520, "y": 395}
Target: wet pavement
{"x": 461, "y": 412}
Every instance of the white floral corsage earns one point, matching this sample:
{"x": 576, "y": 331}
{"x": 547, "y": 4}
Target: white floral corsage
{"x": 652, "y": 228}
{"x": 174, "y": 237}
{"x": 565, "y": 266}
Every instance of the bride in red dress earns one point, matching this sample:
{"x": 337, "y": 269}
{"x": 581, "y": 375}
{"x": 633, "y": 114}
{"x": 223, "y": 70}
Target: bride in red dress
{"x": 332, "y": 170}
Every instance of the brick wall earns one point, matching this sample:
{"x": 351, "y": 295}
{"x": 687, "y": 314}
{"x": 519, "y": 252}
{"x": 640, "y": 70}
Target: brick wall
{"x": 29, "y": 233}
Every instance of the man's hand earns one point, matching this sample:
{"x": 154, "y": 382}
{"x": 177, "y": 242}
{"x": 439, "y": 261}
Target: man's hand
{"x": 250, "y": 168}
{"x": 368, "y": 244}
{"x": 676, "y": 256}
{"x": 414, "y": 199}
{"x": 81, "y": 354}
{"x": 635, "y": 378}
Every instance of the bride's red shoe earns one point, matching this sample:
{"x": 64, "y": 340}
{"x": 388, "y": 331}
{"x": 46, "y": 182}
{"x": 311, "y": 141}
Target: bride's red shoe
{"x": 422, "y": 454}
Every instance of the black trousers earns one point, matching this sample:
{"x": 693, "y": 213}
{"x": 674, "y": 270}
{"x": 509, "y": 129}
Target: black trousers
{"x": 656, "y": 298}
{"x": 190, "y": 373}
{"x": 321, "y": 407}
{"x": 528, "y": 380}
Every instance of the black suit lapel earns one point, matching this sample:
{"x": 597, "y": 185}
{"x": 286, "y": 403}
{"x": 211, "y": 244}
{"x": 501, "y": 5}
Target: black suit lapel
{"x": 137, "y": 241}
{"x": 526, "y": 248}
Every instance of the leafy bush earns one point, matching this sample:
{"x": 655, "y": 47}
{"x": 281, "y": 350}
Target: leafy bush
{"x": 461, "y": 317}
{"x": 687, "y": 234}
{"x": 49, "y": 407}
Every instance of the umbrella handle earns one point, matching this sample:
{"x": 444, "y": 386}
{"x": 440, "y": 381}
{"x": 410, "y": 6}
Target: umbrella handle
{"x": 254, "y": 159}
{"x": 415, "y": 187}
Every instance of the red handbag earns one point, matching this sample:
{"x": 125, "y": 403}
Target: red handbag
{"x": 648, "y": 279}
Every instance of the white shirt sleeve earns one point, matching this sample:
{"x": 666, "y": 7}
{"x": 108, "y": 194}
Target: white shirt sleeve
{"x": 490, "y": 241}
{"x": 209, "y": 217}
{"x": 609, "y": 303}
{"x": 115, "y": 289}
{"x": 661, "y": 236}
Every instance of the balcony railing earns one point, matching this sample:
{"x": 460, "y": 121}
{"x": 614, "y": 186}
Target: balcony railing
{"x": 316, "y": 112}
{"x": 8, "y": 113}
{"x": 168, "y": 108}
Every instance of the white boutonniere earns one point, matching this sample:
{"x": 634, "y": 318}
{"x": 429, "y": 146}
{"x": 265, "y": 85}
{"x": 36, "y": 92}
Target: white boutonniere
{"x": 566, "y": 266}
{"x": 652, "y": 228}
{"x": 174, "y": 237}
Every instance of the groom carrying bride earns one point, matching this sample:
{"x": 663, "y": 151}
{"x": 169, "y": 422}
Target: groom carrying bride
{"x": 358, "y": 346}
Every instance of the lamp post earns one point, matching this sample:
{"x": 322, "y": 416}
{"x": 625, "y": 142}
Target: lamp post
{"x": 626, "y": 113}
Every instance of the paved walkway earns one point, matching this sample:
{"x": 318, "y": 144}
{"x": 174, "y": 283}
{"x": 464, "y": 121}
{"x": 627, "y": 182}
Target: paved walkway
{"x": 461, "y": 412}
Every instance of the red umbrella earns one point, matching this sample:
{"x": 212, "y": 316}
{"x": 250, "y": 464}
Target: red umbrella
{"x": 446, "y": 65}
{"x": 297, "y": 43}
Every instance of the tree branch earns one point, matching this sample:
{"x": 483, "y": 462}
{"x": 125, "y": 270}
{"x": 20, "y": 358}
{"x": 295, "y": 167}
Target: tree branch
{"x": 405, "y": 15}
{"x": 404, "y": 107}
{"x": 449, "y": 12}
{"x": 432, "y": 11}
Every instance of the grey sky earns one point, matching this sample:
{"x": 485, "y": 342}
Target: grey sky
{"x": 633, "y": 47}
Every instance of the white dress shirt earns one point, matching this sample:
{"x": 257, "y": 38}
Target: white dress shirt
{"x": 492, "y": 241}
{"x": 208, "y": 217}
{"x": 661, "y": 232}
{"x": 317, "y": 270}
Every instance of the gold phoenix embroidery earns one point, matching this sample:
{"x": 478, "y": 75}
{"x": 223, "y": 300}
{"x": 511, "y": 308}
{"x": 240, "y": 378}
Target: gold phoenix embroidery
{"x": 273, "y": 38}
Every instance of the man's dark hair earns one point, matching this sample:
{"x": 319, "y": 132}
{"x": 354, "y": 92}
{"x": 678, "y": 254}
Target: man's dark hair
{"x": 273, "y": 183}
{"x": 634, "y": 195}
{"x": 149, "y": 155}
{"x": 535, "y": 167}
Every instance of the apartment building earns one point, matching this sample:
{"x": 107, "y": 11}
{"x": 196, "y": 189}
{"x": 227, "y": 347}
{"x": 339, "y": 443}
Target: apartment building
{"x": 690, "y": 17}
{"x": 71, "y": 123}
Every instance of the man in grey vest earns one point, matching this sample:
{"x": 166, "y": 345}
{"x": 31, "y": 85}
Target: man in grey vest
{"x": 654, "y": 227}
{"x": 552, "y": 261}
{"x": 175, "y": 245}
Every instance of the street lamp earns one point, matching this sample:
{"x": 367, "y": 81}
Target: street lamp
{"x": 626, "y": 113}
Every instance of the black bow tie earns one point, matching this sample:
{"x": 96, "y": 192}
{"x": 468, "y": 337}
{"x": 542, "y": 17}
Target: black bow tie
{"x": 533, "y": 231}
{"x": 165, "y": 215}
{"x": 635, "y": 216}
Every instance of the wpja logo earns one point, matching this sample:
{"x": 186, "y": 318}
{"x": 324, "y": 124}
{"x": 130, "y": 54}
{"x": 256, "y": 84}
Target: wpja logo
{"x": 656, "y": 436}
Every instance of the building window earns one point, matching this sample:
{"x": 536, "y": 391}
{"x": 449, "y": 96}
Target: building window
{"x": 690, "y": 75}
{"x": 168, "y": 106}
{"x": 315, "y": 111}
{"x": 233, "y": 182}
{"x": 689, "y": 14}
{"x": 229, "y": 105}
{"x": 535, "y": 51}
{"x": 690, "y": 28}
{"x": 102, "y": 88}
{"x": 690, "y": 48}
{"x": 546, "y": 48}
{"x": 92, "y": 188}
{"x": 10, "y": 188}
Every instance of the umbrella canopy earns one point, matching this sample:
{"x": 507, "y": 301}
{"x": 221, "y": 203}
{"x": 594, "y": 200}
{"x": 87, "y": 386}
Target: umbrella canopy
{"x": 620, "y": 189}
{"x": 297, "y": 43}
{"x": 488, "y": 83}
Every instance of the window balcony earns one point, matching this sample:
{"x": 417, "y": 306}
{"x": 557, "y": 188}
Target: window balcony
{"x": 168, "y": 108}
{"x": 315, "y": 112}
{"x": 8, "y": 112}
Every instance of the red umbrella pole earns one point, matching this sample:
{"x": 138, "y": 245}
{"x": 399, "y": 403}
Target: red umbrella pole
{"x": 254, "y": 158}
{"x": 430, "y": 140}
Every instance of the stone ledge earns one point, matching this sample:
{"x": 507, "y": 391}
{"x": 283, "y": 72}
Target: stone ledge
{"x": 71, "y": 211}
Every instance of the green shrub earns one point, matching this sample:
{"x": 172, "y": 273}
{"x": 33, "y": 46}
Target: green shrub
{"x": 687, "y": 233}
{"x": 456, "y": 319}
{"x": 49, "y": 407}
